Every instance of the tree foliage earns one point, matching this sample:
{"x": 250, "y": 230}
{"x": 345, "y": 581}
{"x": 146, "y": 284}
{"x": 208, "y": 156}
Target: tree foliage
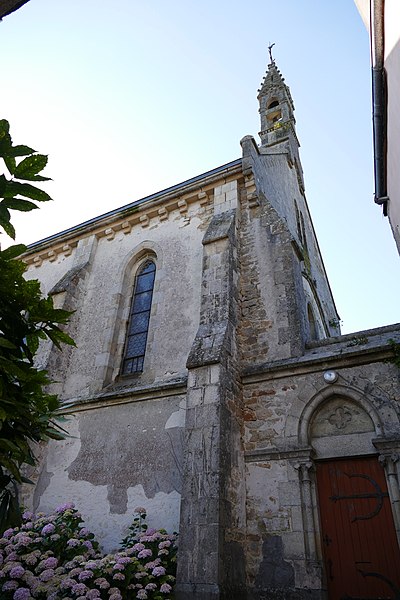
{"x": 28, "y": 414}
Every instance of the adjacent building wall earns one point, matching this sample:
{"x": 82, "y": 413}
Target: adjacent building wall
{"x": 388, "y": 30}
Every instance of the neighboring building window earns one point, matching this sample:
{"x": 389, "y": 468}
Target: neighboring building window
{"x": 135, "y": 345}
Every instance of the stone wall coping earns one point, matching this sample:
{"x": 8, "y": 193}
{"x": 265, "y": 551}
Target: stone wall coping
{"x": 124, "y": 394}
{"x": 349, "y": 350}
{"x": 376, "y": 331}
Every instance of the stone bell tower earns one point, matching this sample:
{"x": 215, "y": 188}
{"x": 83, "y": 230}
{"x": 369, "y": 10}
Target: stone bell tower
{"x": 276, "y": 108}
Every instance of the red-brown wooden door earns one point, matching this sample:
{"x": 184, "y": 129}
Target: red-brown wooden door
{"x": 361, "y": 552}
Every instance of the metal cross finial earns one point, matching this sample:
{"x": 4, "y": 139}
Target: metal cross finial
{"x": 270, "y": 51}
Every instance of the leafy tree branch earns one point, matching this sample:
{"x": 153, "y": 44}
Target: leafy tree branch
{"x": 28, "y": 414}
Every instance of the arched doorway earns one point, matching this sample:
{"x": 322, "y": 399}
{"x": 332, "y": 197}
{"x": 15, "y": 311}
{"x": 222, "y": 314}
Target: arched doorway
{"x": 359, "y": 545}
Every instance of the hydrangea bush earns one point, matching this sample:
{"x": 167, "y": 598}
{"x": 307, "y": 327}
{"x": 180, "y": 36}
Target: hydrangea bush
{"x": 55, "y": 557}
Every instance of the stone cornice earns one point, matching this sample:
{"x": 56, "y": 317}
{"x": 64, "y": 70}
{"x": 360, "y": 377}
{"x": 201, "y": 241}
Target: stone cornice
{"x": 125, "y": 394}
{"x": 263, "y": 454}
{"x": 140, "y": 211}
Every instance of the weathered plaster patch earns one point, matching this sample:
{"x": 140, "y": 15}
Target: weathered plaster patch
{"x": 130, "y": 445}
{"x": 177, "y": 419}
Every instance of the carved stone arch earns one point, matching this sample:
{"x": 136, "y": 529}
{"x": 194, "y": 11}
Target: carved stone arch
{"x": 330, "y": 393}
{"x": 132, "y": 262}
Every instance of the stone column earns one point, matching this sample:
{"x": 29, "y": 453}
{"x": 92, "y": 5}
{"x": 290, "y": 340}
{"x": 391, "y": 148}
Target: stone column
{"x": 391, "y": 464}
{"x": 304, "y": 469}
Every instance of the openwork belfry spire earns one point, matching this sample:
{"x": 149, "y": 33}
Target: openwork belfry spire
{"x": 276, "y": 106}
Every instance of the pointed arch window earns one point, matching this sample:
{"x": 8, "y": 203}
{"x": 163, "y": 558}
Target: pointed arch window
{"x": 138, "y": 327}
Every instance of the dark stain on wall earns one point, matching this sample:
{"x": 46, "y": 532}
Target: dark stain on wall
{"x": 274, "y": 573}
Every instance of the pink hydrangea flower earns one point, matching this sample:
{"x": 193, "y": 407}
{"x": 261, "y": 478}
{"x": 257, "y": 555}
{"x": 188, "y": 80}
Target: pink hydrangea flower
{"x": 22, "y": 594}
{"x": 145, "y": 553}
{"x": 102, "y": 583}
{"x": 138, "y": 547}
{"x": 124, "y": 560}
{"x": 165, "y": 588}
{"x": 67, "y": 583}
{"x": 84, "y": 575}
{"x": 28, "y": 515}
{"x": 17, "y": 572}
{"x": 79, "y": 588}
{"x": 47, "y": 529}
{"x": 9, "y": 586}
{"x": 46, "y": 575}
{"x": 8, "y": 533}
{"x": 140, "y": 510}
{"x": 142, "y": 595}
{"x": 92, "y": 594}
{"x": 64, "y": 507}
{"x": 51, "y": 562}
{"x": 11, "y": 557}
{"x": 140, "y": 574}
{"x": 158, "y": 571}
{"x": 152, "y": 564}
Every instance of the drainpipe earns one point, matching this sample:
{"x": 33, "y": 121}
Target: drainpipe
{"x": 379, "y": 101}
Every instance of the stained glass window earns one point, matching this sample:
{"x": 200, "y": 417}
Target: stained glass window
{"x": 135, "y": 346}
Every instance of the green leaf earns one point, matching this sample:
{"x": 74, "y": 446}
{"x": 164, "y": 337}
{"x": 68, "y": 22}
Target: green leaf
{"x": 4, "y": 127}
{"x": 54, "y": 434}
{"x": 3, "y": 184}
{"x": 5, "y": 145}
{"x": 10, "y": 163}
{"x": 5, "y": 221}
{"x": 4, "y": 343}
{"x": 12, "y": 467}
{"x": 4, "y": 213}
{"x": 13, "y": 251}
{"x": 30, "y": 166}
{"x": 8, "y": 228}
{"x": 57, "y": 337}
{"x": 6, "y": 444}
{"x": 26, "y": 480}
{"x": 15, "y": 188}
{"x": 32, "y": 341}
{"x": 21, "y": 150}
{"x": 19, "y": 204}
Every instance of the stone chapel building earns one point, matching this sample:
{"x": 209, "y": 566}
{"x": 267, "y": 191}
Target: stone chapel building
{"x": 211, "y": 385}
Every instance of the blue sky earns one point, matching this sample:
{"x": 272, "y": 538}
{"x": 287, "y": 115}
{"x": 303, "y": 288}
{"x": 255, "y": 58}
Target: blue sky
{"x": 130, "y": 97}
